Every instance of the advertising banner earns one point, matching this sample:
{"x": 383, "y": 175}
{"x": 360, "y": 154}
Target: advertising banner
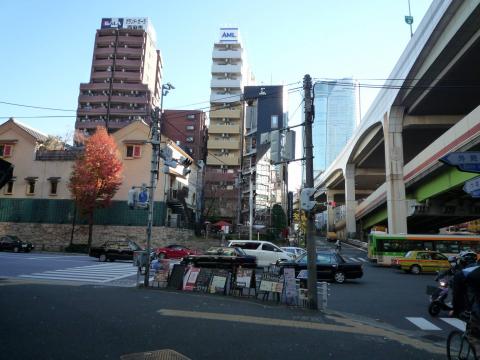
{"x": 190, "y": 279}
{"x": 244, "y": 277}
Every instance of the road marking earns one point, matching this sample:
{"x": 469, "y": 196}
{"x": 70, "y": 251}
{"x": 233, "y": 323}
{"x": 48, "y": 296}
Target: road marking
{"x": 101, "y": 273}
{"x": 362, "y": 259}
{"x": 459, "y": 324}
{"x": 423, "y": 323}
{"x": 342, "y": 325}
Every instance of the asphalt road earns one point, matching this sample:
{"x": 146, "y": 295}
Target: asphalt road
{"x": 43, "y": 321}
{"x": 383, "y": 297}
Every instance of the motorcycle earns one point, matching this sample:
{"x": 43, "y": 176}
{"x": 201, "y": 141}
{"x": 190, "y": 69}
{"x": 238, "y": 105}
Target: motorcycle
{"x": 439, "y": 296}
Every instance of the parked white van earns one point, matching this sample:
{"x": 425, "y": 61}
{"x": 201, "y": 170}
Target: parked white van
{"x": 265, "y": 252}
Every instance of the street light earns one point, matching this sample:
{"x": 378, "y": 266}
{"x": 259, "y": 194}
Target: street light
{"x": 155, "y": 141}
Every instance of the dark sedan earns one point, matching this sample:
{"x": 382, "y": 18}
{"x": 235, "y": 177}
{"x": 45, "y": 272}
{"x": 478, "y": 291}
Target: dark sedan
{"x": 330, "y": 266}
{"x": 13, "y": 243}
{"x": 222, "y": 257}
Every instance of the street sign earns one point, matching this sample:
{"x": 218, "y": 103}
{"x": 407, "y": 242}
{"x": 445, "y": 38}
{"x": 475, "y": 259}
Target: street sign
{"x": 472, "y": 187}
{"x": 464, "y": 161}
{"x": 409, "y": 20}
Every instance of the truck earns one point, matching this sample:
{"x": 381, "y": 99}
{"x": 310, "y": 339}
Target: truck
{"x": 114, "y": 250}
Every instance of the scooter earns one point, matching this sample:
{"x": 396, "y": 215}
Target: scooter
{"x": 438, "y": 297}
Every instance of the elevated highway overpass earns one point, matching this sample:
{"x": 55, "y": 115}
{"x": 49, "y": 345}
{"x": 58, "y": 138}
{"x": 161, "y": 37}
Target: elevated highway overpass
{"x": 389, "y": 173}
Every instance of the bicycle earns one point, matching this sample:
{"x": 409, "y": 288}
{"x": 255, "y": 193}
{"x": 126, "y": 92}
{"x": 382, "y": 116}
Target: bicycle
{"x": 459, "y": 347}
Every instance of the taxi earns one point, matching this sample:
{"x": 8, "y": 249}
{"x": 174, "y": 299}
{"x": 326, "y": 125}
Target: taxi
{"x": 416, "y": 262}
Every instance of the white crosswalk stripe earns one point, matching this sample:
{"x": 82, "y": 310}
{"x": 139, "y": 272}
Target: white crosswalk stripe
{"x": 425, "y": 324}
{"x": 357, "y": 259}
{"x": 459, "y": 324}
{"x": 422, "y": 323}
{"x": 101, "y": 273}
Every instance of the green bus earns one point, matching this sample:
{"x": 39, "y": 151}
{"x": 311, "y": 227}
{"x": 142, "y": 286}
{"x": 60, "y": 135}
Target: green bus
{"x": 383, "y": 247}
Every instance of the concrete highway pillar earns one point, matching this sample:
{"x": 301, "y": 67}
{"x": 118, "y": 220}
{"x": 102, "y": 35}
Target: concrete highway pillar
{"x": 350, "y": 203}
{"x": 330, "y": 212}
{"x": 396, "y": 200}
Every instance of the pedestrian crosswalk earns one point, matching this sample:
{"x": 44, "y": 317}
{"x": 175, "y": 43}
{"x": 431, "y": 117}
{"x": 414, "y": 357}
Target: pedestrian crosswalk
{"x": 357, "y": 259}
{"x": 428, "y": 325}
{"x": 100, "y": 273}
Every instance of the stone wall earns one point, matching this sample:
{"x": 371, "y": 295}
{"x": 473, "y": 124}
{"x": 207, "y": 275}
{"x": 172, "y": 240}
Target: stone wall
{"x": 56, "y": 237}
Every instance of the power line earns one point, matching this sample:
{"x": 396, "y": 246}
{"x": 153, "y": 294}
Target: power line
{"x": 35, "y": 107}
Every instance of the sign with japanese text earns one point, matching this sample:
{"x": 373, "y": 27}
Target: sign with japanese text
{"x": 472, "y": 187}
{"x": 464, "y": 161}
{"x": 125, "y": 23}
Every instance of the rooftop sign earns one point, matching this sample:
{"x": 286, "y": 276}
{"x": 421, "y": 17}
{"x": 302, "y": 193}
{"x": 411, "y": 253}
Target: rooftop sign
{"x": 229, "y": 35}
{"x": 125, "y": 23}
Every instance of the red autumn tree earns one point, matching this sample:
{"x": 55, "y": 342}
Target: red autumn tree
{"x": 96, "y": 176}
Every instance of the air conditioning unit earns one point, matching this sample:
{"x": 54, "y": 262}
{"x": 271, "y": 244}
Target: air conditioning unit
{"x": 88, "y": 104}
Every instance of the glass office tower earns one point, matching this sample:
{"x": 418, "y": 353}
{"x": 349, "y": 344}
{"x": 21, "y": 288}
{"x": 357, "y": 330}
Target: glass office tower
{"x": 335, "y": 118}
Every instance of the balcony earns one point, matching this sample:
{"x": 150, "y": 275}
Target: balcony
{"x": 128, "y": 112}
{"x": 129, "y": 99}
{"x": 221, "y": 193}
{"x": 225, "y": 113}
{"x": 102, "y": 62}
{"x": 105, "y": 40}
{"x": 225, "y": 98}
{"x": 101, "y": 111}
{"x": 230, "y": 160}
{"x": 130, "y": 40}
{"x": 227, "y": 54}
{"x": 226, "y": 83}
{"x": 223, "y": 129}
{"x": 92, "y": 99}
{"x": 129, "y": 64}
{"x": 103, "y": 51}
{"x": 126, "y": 51}
{"x": 233, "y": 144}
{"x": 126, "y": 75}
{"x": 227, "y": 68}
{"x": 115, "y": 87}
{"x": 99, "y": 75}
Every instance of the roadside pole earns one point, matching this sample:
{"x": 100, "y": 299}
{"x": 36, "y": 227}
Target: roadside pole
{"x": 155, "y": 141}
{"x": 311, "y": 248}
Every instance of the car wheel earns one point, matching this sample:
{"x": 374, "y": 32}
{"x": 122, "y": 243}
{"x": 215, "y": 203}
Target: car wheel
{"x": 415, "y": 269}
{"x": 16, "y": 249}
{"x": 339, "y": 277}
{"x": 161, "y": 256}
{"x": 102, "y": 258}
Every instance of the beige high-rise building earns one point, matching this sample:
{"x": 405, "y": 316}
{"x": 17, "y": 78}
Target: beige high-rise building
{"x": 230, "y": 74}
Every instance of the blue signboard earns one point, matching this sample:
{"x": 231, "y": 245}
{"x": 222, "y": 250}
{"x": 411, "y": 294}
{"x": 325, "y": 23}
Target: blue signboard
{"x": 463, "y": 161}
{"x": 143, "y": 197}
{"x": 472, "y": 187}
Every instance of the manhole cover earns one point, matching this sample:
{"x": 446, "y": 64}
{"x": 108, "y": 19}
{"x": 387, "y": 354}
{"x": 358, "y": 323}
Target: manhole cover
{"x": 165, "y": 354}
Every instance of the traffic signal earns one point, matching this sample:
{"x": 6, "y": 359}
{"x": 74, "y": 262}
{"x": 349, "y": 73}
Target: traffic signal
{"x": 305, "y": 202}
{"x": 186, "y": 162}
{"x": 6, "y": 172}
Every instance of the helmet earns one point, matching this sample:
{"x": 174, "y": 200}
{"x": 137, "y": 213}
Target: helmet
{"x": 452, "y": 259}
{"x": 467, "y": 257}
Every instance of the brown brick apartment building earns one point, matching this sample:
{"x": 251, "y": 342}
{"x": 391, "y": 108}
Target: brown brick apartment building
{"x": 125, "y": 79}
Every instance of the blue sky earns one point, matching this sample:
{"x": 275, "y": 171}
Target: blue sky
{"x": 47, "y": 47}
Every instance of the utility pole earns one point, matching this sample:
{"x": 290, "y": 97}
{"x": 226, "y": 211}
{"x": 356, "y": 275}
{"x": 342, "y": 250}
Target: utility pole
{"x": 250, "y": 203}
{"x": 311, "y": 248}
{"x": 155, "y": 141}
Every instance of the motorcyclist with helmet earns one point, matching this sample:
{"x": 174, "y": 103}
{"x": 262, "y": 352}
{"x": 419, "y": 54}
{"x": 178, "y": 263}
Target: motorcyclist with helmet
{"x": 466, "y": 295}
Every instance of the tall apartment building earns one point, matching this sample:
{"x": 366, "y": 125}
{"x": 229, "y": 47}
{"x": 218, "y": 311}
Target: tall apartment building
{"x": 264, "y": 112}
{"x": 125, "y": 80}
{"x": 187, "y": 129}
{"x": 225, "y": 134}
{"x": 335, "y": 118}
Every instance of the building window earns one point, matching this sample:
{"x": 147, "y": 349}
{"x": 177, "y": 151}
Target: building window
{"x": 190, "y": 127}
{"x": 191, "y": 116}
{"x": 31, "y": 181}
{"x": 274, "y": 121}
{"x": 5, "y": 150}
{"x": 133, "y": 151}
{"x": 189, "y": 139}
{"x": 53, "y": 185}
{"x": 9, "y": 188}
